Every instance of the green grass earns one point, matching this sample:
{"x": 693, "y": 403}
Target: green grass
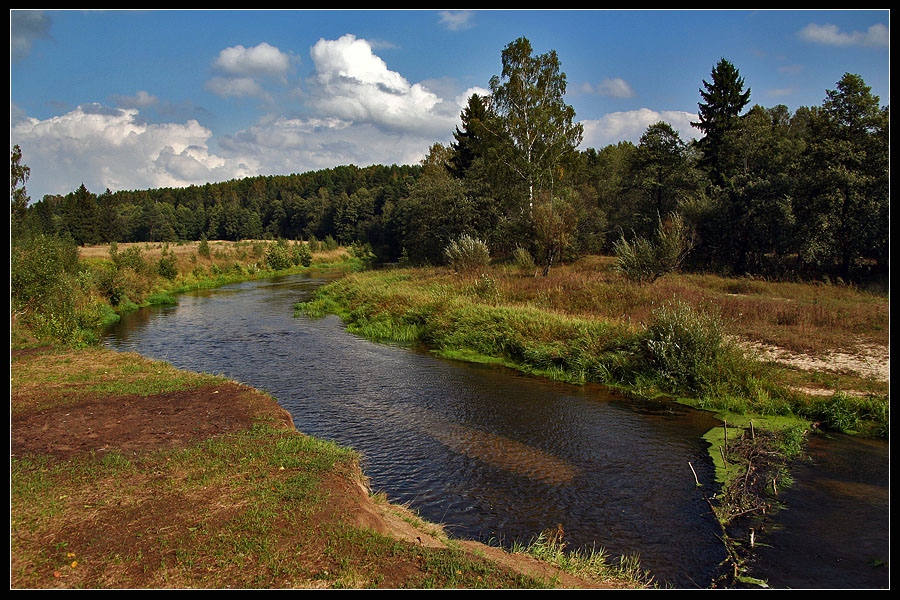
{"x": 683, "y": 352}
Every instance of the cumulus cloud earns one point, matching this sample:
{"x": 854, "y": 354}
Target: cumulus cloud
{"x": 291, "y": 145}
{"x": 631, "y": 125}
{"x": 875, "y": 36}
{"x": 109, "y": 148}
{"x": 241, "y": 71}
{"x": 456, "y": 20}
{"x": 263, "y": 60}
{"x": 354, "y": 84}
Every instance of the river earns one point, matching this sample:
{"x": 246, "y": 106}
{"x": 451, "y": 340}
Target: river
{"x": 492, "y": 454}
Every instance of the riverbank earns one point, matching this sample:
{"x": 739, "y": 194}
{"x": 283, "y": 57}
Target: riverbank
{"x": 689, "y": 338}
{"x": 128, "y": 473}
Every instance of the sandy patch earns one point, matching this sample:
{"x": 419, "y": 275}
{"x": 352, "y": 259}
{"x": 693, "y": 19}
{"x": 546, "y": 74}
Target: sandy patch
{"x": 871, "y": 361}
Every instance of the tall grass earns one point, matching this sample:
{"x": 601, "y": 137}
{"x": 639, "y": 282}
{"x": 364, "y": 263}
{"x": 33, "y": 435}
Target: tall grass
{"x": 575, "y": 326}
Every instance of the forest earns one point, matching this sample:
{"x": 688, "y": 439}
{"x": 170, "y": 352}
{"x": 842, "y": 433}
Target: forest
{"x": 764, "y": 191}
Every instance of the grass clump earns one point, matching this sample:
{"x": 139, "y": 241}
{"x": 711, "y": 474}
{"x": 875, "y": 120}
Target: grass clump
{"x": 467, "y": 254}
{"x": 595, "y": 563}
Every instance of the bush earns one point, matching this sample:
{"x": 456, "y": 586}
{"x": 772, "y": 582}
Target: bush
{"x": 131, "y": 258}
{"x": 467, "y": 254}
{"x": 203, "y": 247}
{"x": 278, "y": 256}
{"x": 41, "y": 268}
{"x": 167, "y": 266}
{"x": 47, "y": 291}
{"x": 685, "y": 347}
{"x": 645, "y": 261}
{"x": 302, "y": 255}
{"x": 523, "y": 259}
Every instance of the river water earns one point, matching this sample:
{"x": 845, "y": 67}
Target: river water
{"x": 494, "y": 455}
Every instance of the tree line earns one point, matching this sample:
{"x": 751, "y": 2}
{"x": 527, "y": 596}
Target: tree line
{"x": 764, "y": 191}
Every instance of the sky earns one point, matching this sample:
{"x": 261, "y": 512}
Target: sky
{"x": 139, "y": 99}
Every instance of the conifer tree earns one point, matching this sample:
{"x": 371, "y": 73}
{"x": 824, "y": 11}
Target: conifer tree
{"x": 723, "y": 101}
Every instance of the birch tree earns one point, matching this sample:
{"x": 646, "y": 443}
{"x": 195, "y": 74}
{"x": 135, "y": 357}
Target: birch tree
{"x": 535, "y": 124}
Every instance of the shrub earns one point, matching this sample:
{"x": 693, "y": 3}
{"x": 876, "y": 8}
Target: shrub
{"x": 40, "y": 271}
{"x": 131, "y": 258}
{"x": 301, "y": 254}
{"x": 685, "y": 347}
{"x": 646, "y": 260}
{"x": 467, "y": 254}
{"x": 203, "y": 247}
{"x": 523, "y": 259}
{"x": 278, "y": 256}
{"x": 167, "y": 266}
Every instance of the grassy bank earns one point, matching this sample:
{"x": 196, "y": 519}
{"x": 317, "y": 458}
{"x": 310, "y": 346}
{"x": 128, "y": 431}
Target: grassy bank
{"x": 65, "y": 294}
{"x": 686, "y": 337}
{"x": 128, "y": 473}
{"x": 584, "y": 323}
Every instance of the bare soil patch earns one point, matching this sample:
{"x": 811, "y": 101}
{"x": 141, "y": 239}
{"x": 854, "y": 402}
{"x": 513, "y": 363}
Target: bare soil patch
{"x": 134, "y": 424}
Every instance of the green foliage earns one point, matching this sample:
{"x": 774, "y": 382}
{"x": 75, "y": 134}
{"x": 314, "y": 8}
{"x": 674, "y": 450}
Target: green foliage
{"x": 467, "y": 254}
{"x": 555, "y": 223}
{"x": 538, "y": 131}
{"x": 301, "y": 254}
{"x": 645, "y": 261}
{"x": 523, "y": 259}
{"x": 723, "y": 100}
{"x": 130, "y": 258}
{"x": 203, "y": 247}
{"x": 45, "y": 291}
{"x": 18, "y": 197}
{"x": 167, "y": 265}
{"x": 40, "y": 271}
{"x": 685, "y": 347}
{"x": 279, "y": 256}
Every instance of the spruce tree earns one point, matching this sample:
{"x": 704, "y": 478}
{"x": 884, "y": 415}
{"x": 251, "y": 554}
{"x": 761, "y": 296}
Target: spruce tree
{"x": 723, "y": 101}
{"x": 468, "y": 144}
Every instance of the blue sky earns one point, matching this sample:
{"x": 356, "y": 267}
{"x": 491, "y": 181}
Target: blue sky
{"x": 139, "y": 99}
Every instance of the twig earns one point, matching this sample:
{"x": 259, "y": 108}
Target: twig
{"x": 695, "y": 473}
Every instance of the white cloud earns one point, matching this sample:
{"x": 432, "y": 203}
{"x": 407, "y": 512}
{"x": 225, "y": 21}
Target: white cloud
{"x": 354, "y": 84}
{"x": 285, "y": 145}
{"x": 631, "y": 125}
{"x": 462, "y": 100}
{"x": 615, "y": 87}
{"x": 875, "y": 36}
{"x": 456, "y": 20}
{"x": 360, "y": 112}
{"x": 263, "y": 60}
{"x": 243, "y": 69}
{"x": 109, "y": 148}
